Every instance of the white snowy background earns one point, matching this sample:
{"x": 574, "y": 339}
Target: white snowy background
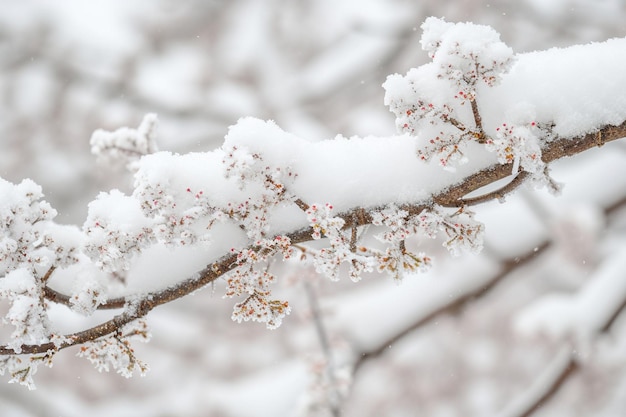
{"x": 68, "y": 68}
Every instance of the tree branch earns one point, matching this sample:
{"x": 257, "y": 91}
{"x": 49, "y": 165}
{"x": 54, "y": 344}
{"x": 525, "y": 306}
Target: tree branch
{"x": 452, "y": 197}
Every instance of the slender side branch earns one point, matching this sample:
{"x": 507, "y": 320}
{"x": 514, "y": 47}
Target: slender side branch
{"x": 480, "y": 133}
{"x": 48, "y": 274}
{"x": 498, "y": 194}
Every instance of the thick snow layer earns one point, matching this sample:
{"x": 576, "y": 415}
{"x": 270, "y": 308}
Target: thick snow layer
{"x": 349, "y": 172}
{"x": 576, "y": 88}
{"x": 572, "y": 88}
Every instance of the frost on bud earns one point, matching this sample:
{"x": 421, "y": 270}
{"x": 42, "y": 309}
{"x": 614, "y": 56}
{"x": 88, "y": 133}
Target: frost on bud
{"x": 462, "y": 232}
{"x": 342, "y": 247}
{"x": 23, "y": 368}
{"x": 88, "y": 295}
{"x": 268, "y": 184}
{"x": 521, "y": 146}
{"x": 322, "y": 222}
{"x": 125, "y": 146}
{"x": 257, "y": 307}
{"x": 239, "y": 163}
{"x": 115, "y": 351}
{"x": 398, "y": 261}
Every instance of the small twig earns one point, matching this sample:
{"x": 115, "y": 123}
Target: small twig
{"x": 478, "y": 120}
{"x": 301, "y": 204}
{"x": 456, "y": 123}
{"x": 403, "y": 246}
{"x": 280, "y": 189}
{"x": 498, "y": 194}
{"x": 64, "y": 299}
{"x": 48, "y": 274}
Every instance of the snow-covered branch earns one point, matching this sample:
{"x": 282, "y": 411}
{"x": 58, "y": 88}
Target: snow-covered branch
{"x": 475, "y": 115}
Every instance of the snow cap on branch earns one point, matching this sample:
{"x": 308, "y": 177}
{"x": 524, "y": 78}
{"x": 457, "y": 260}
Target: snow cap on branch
{"x": 466, "y": 53}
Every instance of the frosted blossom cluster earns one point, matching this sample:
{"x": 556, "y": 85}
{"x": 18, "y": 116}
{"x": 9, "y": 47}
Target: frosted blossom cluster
{"x": 252, "y": 279}
{"x": 115, "y": 351}
{"x": 27, "y": 239}
{"x": 250, "y": 171}
{"x": 23, "y": 369}
{"x": 519, "y": 145}
{"x": 462, "y": 232}
{"x": 125, "y": 145}
{"x": 30, "y": 246}
{"x": 342, "y": 245}
{"x": 116, "y": 231}
{"x": 466, "y": 54}
{"x": 441, "y": 101}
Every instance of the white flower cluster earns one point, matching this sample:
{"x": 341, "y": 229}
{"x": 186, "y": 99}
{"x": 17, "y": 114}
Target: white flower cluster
{"x": 252, "y": 279}
{"x": 267, "y": 183}
{"x": 30, "y": 246}
{"x": 342, "y": 245}
{"x": 520, "y": 145}
{"x": 430, "y": 100}
{"x": 116, "y": 231}
{"x": 463, "y": 233}
{"x": 24, "y": 218}
{"x": 115, "y": 351}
